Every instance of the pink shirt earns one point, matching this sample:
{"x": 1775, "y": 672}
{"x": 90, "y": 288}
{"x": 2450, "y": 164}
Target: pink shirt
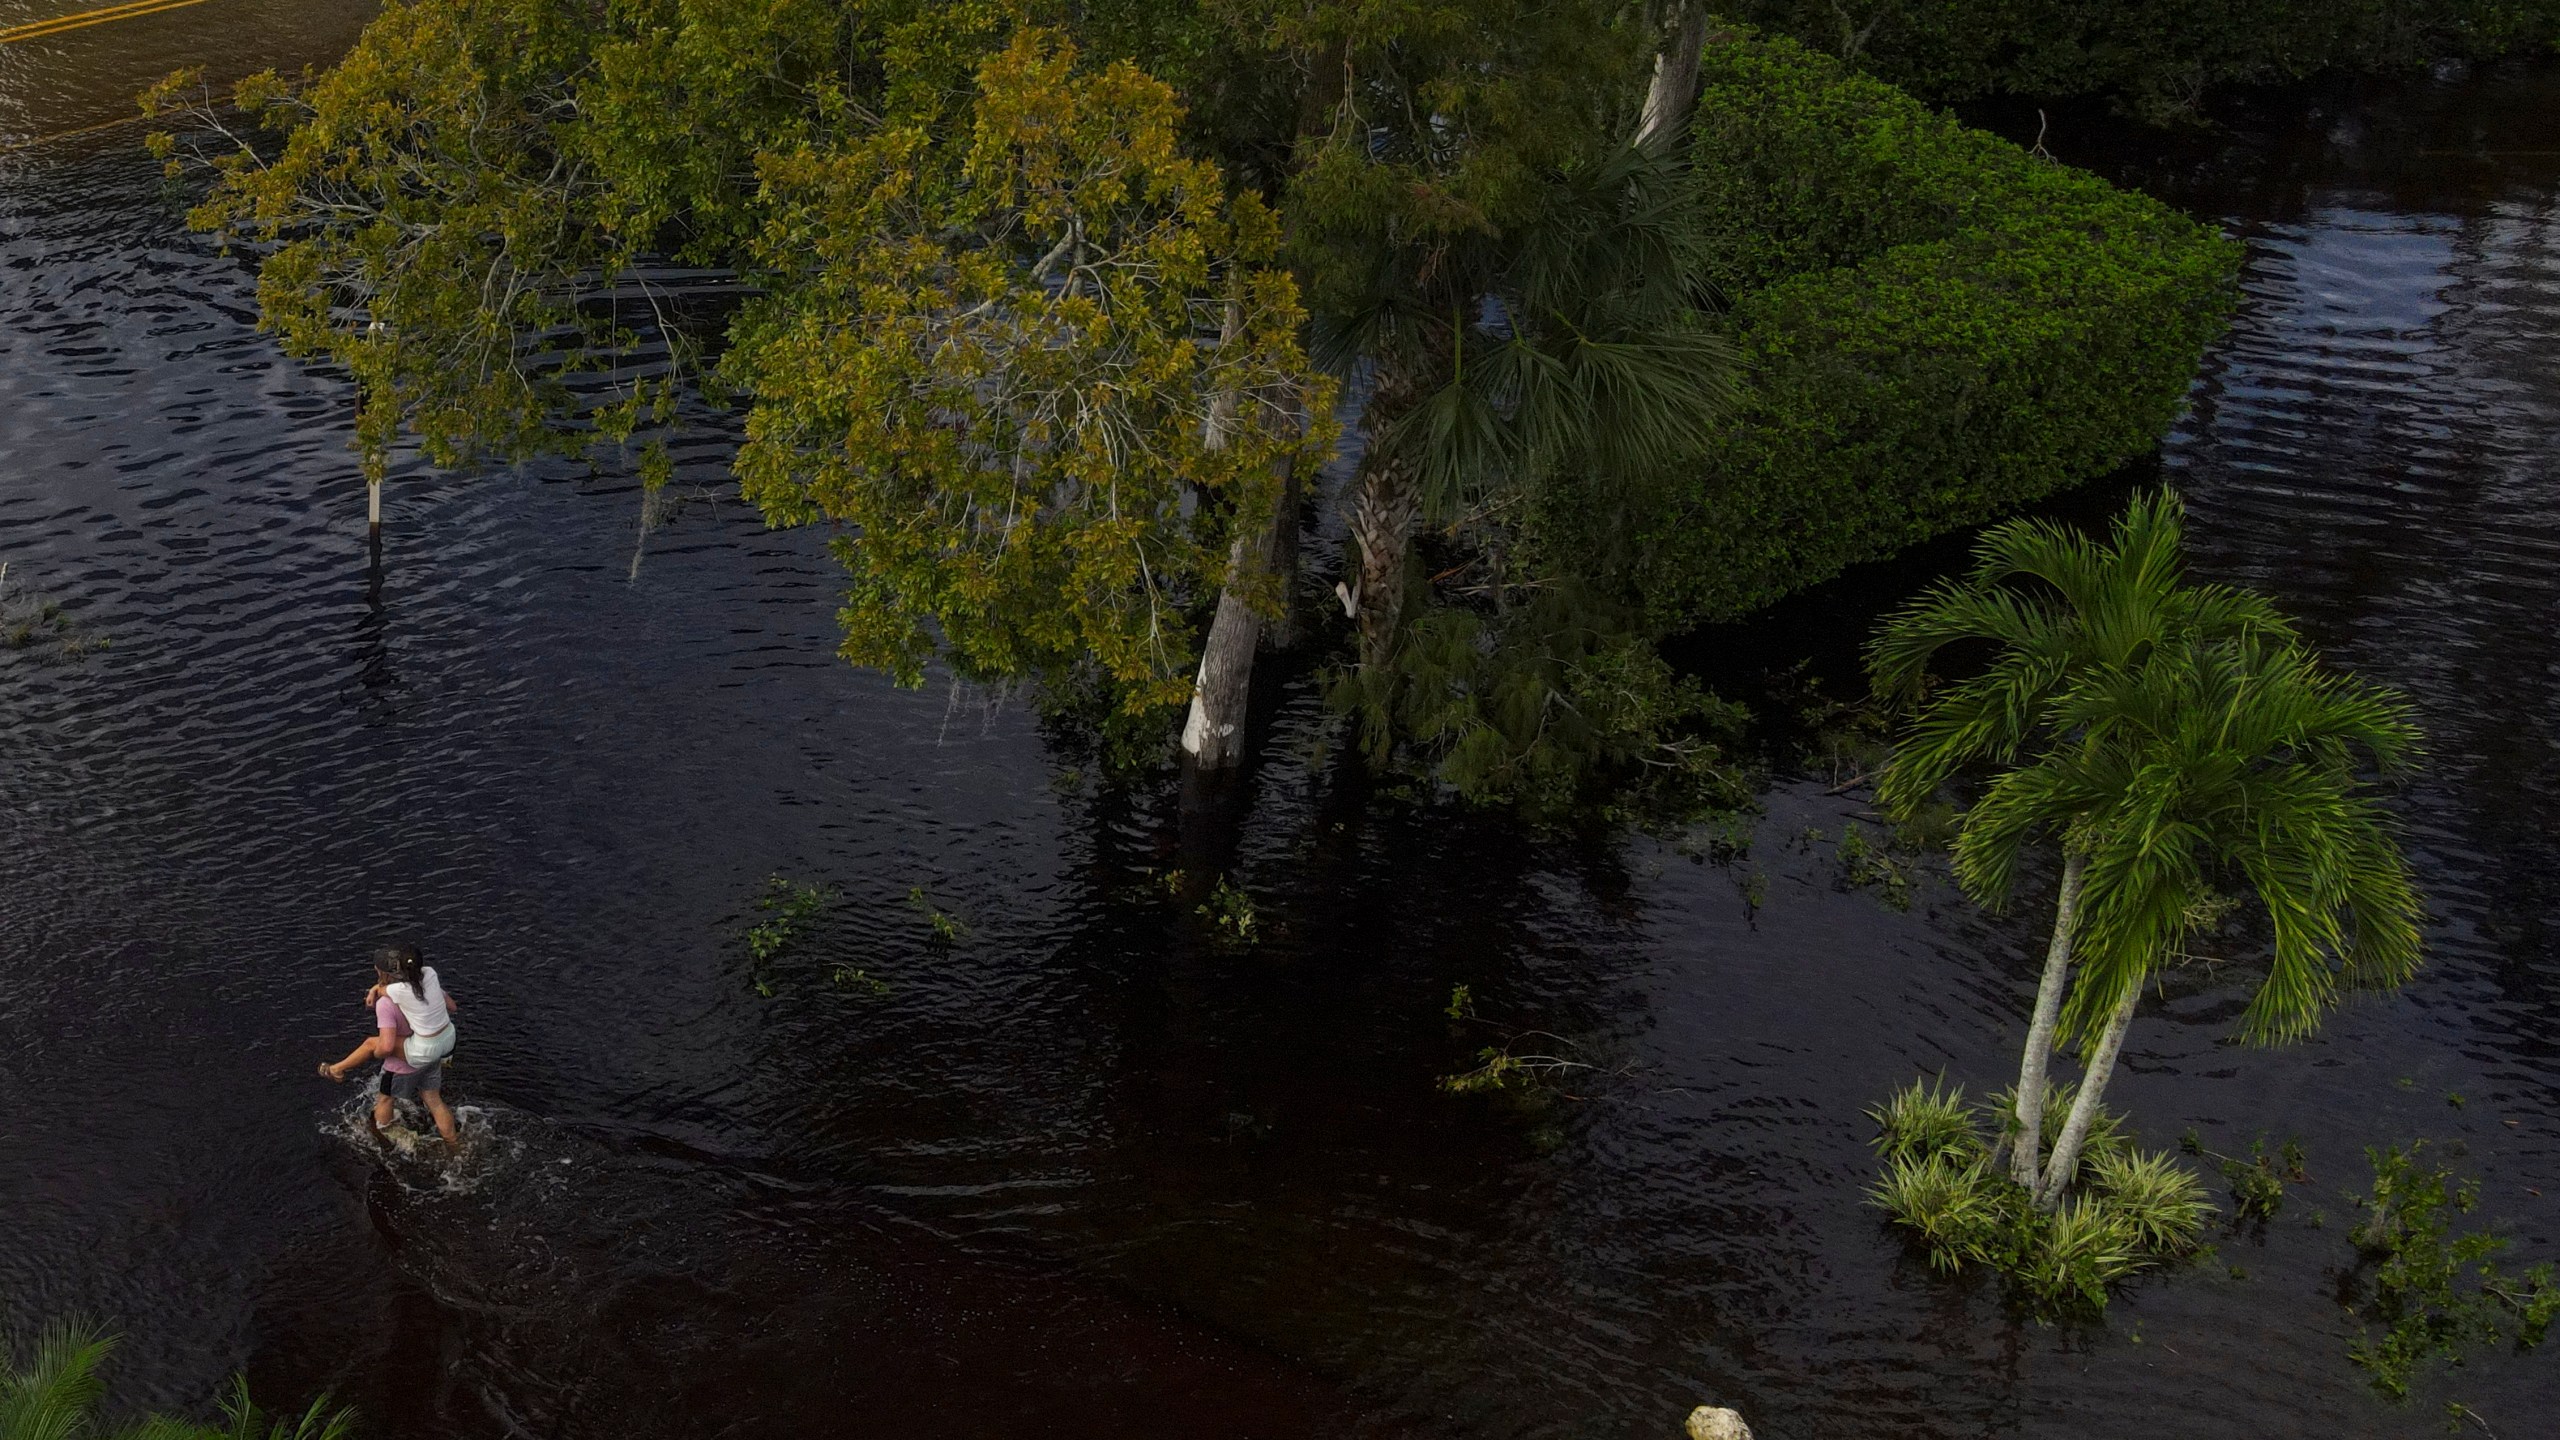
{"x": 387, "y": 1016}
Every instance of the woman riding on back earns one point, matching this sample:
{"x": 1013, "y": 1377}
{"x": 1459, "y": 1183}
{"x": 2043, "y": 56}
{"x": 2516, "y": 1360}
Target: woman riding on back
{"x": 413, "y": 1033}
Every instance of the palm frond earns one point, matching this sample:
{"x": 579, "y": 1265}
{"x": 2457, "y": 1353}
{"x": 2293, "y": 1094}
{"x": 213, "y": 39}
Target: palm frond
{"x": 54, "y": 1396}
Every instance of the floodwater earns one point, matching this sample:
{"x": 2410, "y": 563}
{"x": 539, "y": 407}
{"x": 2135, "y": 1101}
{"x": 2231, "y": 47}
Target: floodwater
{"x": 1093, "y": 1166}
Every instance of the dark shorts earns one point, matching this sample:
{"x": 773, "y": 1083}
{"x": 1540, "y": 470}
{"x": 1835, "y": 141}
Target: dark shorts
{"x": 406, "y": 1087}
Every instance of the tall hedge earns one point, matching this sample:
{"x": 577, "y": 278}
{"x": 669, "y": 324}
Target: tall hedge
{"x": 2161, "y": 55}
{"x": 1938, "y": 327}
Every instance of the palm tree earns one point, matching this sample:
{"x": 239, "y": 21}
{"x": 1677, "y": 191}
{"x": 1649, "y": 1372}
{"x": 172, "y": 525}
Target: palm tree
{"x": 2212, "y": 766}
{"x": 1581, "y": 338}
{"x": 55, "y": 1396}
{"x": 2056, "y": 607}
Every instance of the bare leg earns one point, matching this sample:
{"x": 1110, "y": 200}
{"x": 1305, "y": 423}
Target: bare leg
{"x": 445, "y": 1125}
{"x": 364, "y": 1051}
{"x": 382, "y": 1112}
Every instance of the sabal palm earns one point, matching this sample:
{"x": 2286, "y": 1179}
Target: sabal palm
{"x": 2056, "y": 607}
{"x": 55, "y": 1396}
{"x": 2236, "y": 765}
{"x": 1581, "y": 338}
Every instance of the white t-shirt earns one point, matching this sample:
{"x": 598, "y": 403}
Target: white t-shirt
{"x": 427, "y": 1016}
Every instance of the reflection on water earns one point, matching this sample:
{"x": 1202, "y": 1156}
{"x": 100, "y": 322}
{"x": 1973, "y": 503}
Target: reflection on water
{"x": 1088, "y": 1169}
{"x": 84, "y": 77}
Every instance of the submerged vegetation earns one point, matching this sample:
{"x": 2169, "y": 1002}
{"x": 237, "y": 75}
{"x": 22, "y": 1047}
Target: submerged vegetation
{"x": 2183, "y": 751}
{"x": 1046, "y": 311}
{"x": 37, "y": 625}
{"x": 2431, "y": 1288}
{"x": 1942, "y": 1182}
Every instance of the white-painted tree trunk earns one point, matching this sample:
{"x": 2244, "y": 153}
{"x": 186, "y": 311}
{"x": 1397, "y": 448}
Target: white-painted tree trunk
{"x": 2035, "y": 1068}
{"x": 1674, "y": 90}
{"x": 2084, "y": 1107}
{"x": 373, "y": 507}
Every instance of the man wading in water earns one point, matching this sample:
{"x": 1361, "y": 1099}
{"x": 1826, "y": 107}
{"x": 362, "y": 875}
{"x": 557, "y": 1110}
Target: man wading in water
{"x": 413, "y": 1033}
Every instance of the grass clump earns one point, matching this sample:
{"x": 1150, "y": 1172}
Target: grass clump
{"x": 1942, "y": 1183}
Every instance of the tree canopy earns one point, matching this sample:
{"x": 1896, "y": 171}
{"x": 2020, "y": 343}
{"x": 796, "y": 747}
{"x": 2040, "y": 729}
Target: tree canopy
{"x": 1026, "y": 299}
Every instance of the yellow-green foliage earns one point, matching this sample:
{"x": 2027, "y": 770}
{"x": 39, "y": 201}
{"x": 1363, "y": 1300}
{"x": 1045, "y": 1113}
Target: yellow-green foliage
{"x": 984, "y": 356}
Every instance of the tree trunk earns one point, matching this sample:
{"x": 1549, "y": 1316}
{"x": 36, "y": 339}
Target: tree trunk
{"x": 2039, "y": 1055}
{"x": 2084, "y": 1108}
{"x": 1214, "y": 734}
{"x": 373, "y": 508}
{"x": 1674, "y": 91}
{"x": 1220, "y": 696}
{"x": 1280, "y": 631}
{"x": 1382, "y": 518}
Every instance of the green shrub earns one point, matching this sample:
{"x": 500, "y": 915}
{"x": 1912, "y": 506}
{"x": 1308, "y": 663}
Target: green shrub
{"x": 1937, "y": 328}
{"x": 2160, "y": 1202}
{"x": 1556, "y": 703}
{"x": 2159, "y": 55}
{"x": 1954, "y": 1206}
{"x": 1942, "y": 1184}
{"x": 1925, "y": 1119}
{"x": 2084, "y": 1247}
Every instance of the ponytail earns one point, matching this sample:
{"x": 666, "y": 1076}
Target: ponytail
{"x": 401, "y": 962}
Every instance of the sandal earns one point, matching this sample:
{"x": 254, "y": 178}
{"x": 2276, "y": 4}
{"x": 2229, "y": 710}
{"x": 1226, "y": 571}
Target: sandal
{"x": 330, "y": 1074}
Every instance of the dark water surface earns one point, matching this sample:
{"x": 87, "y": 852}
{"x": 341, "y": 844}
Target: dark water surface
{"x": 1087, "y": 1170}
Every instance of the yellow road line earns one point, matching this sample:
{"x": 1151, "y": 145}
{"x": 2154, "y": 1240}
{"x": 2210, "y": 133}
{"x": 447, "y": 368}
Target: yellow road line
{"x": 135, "y": 9}
{"x": 14, "y": 146}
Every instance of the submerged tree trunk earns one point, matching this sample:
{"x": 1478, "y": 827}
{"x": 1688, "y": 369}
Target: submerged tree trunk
{"x": 2033, "y": 1069}
{"x": 1280, "y": 630}
{"x": 1674, "y": 91}
{"x": 1213, "y": 736}
{"x": 2084, "y": 1107}
{"x": 1382, "y": 517}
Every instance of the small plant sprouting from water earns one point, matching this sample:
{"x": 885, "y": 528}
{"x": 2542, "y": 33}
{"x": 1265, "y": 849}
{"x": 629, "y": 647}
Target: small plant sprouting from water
{"x": 32, "y": 624}
{"x": 859, "y": 980}
{"x": 1942, "y": 1183}
{"x": 788, "y": 909}
{"x": 2257, "y": 1180}
{"x": 946, "y": 927}
{"x": 1230, "y": 910}
{"x": 2434, "y": 1289}
{"x": 1520, "y": 1062}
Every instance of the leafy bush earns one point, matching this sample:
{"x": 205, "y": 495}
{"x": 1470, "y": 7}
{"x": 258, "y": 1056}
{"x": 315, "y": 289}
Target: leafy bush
{"x": 1937, "y": 327}
{"x": 2158, "y": 55}
{"x": 1554, "y": 704}
{"x": 2435, "y": 1289}
{"x": 1942, "y": 1182}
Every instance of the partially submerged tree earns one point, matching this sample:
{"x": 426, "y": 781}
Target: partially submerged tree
{"x": 1043, "y": 367}
{"x": 1033, "y": 332}
{"x": 2055, "y": 607}
{"x": 2179, "y": 745}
